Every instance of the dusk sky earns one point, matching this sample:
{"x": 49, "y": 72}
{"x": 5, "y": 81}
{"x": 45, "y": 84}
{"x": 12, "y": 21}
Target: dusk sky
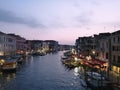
{"x": 61, "y": 20}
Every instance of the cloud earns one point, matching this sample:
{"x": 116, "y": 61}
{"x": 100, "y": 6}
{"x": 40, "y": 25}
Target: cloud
{"x": 10, "y": 17}
{"x": 81, "y": 3}
{"x": 84, "y": 18}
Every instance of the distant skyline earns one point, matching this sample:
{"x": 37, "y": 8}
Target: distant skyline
{"x": 61, "y": 20}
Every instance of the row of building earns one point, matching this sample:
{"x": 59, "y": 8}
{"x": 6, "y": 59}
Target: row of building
{"x": 105, "y": 47}
{"x": 11, "y": 44}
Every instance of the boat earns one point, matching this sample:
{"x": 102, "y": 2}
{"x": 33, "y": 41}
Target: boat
{"x": 38, "y": 54}
{"x": 18, "y": 58}
{"x": 95, "y": 79}
{"x": 9, "y": 65}
{"x": 64, "y": 57}
{"x": 95, "y": 75}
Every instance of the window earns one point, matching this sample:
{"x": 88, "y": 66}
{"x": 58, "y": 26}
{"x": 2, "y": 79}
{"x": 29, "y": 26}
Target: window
{"x": 4, "y": 45}
{"x": 118, "y": 59}
{"x": 4, "y": 39}
{"x": 106, "y": 44}
{"x": 10, "y": 40}
{"x": 117, "y": 39}
{"x": 106, "y": 55}
{"x": 114, "y": 40}
{"x": 113, "y": 48}
{"x": 114, "y": 59}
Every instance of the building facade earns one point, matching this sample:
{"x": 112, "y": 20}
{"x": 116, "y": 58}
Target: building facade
{"x": 85, "y": 45}
{"x": 52, "y": 45}
{"x": 21, "y": 46}
{"x": 104, "y": 49}
{"x": 7, "y": 45}
{"x": 115, "y": 55}
{"x": 36, "y": 45}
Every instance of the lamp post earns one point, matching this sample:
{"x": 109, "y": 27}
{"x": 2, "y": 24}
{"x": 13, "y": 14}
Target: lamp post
{"x": 93, "y": 53}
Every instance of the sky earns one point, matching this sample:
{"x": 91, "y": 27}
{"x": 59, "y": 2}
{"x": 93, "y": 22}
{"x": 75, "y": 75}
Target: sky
{"x": 60, "y": 20}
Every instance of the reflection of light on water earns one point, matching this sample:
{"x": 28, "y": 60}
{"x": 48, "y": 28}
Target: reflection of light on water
{"x": 76, "y": 71}
{"x": 72, "y": 84}
{"x": 31, "y": 61}
{"x": 14, "y": 75}
{"x": 10, "y": 76}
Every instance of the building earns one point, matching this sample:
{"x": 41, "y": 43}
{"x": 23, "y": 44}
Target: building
{"x": 36, "y": 45}
{"x": 29, "y": 47}
{"x": 7, "y": 45}
{"x": 51, "y": 45}
{"x": 65, "y": 47}
{"x": 85, "y": 45}
{"x": 102, "y": 46}
{"x": 21, "y": 46}
{"x": 115, "y": 54}
{"x": 44, "y": 46}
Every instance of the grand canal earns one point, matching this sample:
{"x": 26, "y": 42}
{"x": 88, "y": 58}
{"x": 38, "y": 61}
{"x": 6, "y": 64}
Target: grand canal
{"x": 42, "y": 73}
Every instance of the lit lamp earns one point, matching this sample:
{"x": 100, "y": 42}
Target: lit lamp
{"x": 1, "y": 53}
{"x": 2, "y": 61}
{"x": 76, "y": 59}
{"x": 80, "y": 55}
{"x": 88, "y": 57}
{"x": 93, "y": 51}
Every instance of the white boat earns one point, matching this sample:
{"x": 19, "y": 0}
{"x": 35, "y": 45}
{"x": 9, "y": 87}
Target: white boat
{"x": 95, "y": 75}
{"x": 64, "y": 57}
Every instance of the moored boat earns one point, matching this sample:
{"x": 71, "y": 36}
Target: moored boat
{"x": 9, "y": 65}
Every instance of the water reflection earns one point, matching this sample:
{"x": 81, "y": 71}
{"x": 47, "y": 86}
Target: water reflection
{"x": 5, "y": 78}
{"x": 42, "y": 73}
{"x": 76, "y": 71}
{"x": 11, "y": 76}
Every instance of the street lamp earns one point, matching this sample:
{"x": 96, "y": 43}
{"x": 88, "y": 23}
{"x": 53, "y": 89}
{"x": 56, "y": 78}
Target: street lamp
{"x": 93, "y": 52}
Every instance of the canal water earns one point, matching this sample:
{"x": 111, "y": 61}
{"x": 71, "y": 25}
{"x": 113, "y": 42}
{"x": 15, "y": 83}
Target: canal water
{"x": 42, "y": 73}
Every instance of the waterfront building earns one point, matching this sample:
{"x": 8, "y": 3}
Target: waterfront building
{"x": 107, "y": 48}
{"x": 65, "y": 47}
{"x": 29, "y": 49}
{"x": 21, "y": 46}
{"x": 102, "y": 46}
{"x": 36, "y": 45}
{"x": 44, "y": 46}
{"x": 115, "y": 55}
{"x": 52, "y": 45}
{"x": 7, "y": 45}
{"x": 85, "y": 45}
